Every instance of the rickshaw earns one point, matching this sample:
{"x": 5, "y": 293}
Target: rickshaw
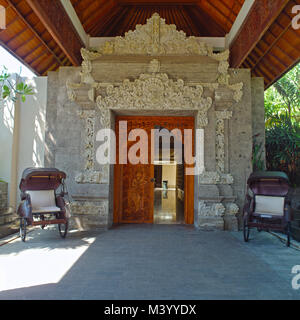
{"x": 43, "y": 192}
{"x": 267, "y": 205}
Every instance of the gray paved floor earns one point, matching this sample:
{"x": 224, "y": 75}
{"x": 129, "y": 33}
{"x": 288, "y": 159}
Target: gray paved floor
{"x": 147, "y": 262}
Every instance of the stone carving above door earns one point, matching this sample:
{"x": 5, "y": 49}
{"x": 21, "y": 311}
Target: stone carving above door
{"x": 155, "y": 92}
{"x": 155, "y": 38}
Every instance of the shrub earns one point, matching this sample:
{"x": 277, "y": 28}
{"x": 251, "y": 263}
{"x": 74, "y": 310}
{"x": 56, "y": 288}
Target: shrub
{"x": 283, "y": 149}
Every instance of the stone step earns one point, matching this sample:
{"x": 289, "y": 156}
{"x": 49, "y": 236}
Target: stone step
{"x": 295, "y": 230}
{"x": 7, "y": 218}
{"x": 8, "y": 229}
{"x": 295, "y": 223}
{"x": 296, "y": 214}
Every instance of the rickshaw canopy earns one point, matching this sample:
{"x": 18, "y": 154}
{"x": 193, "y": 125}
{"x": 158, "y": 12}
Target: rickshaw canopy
{"x": 41, "y": 179}
{"x": 275, "y": 183}
{"x": 268, "y": 175}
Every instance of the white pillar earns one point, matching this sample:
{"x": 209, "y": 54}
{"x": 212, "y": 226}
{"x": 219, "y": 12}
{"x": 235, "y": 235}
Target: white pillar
{"x": 15, "y": 156}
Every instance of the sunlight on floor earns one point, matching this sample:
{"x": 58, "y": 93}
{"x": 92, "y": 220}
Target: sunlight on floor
{"x": 38, "y": 266}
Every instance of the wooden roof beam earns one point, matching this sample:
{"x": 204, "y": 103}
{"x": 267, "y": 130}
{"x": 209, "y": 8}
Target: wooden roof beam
{"x": 19, "y": 59}
{"x": 271, "y": 46}
{"x": 219, "y": 10}
{"x": 75, "y": 20}
{"x": 102, "y": 9}
{"x": 260, "y": 18}
{"x": 209, "y": 18}
{"x": 239, "y": 21}
{"x": 107, "y": 11}
{"x": 280, "y": 75}
{"x": 111, "y": 23}
{"x": 31, "y": 28}
{"x": 56, "y": 20}
{"x": 16, "y": 18}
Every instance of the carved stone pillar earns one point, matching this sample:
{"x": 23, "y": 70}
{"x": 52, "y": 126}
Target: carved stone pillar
{"x": 230, "y": 219}
{"x": 210, "y": 208}
{"x": 89, "y": 175}
{"x": 231, "y": 209}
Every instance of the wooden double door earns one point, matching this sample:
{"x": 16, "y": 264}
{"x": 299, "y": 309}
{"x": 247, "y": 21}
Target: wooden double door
{"x": 134, "y": 183}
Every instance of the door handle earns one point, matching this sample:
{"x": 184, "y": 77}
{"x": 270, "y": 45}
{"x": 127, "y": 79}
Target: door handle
{"x": 152, "y": 180}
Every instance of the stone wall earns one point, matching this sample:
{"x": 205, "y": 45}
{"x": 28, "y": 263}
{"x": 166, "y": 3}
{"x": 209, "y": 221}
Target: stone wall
{"x": 3, "y": 197}
{"x": 6, "y": 216}
{"x": 258, "y": 115}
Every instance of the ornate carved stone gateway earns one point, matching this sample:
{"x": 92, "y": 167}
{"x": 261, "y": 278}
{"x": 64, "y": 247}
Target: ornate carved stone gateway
{"x": 207, "y": 89}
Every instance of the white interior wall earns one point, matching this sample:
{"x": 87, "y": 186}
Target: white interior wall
{"x": 169, "y": 174}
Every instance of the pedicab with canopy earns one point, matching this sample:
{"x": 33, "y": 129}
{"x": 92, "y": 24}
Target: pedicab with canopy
{"x": 43, "y": 192}
{"x": 267, "y": 204}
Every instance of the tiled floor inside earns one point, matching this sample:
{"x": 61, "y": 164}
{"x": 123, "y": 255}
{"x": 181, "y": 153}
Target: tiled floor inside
{"x": 168, "y": 208}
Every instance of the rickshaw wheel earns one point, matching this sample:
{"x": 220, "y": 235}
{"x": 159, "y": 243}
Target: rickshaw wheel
{"x": 246, "y": 230}
{"x": 63, "y": 229}
{"x": 23, "y": 229}
{"x": 288, "y": 233}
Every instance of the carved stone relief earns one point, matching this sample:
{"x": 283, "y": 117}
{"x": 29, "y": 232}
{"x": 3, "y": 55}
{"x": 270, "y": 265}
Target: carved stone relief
{"x": 231, "y": 209}
{"x": 155, "y": 92}
{"x": 154, "y": 38}
{"x": 220, "y": 139}
{"x": 89, "y": 174}
{"x": 214, "y": 177}
{"x": 212, "y": 210}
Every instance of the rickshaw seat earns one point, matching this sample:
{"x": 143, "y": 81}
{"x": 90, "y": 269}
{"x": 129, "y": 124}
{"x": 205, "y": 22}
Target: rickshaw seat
{"x": 269, "y": 205}
{"x": 43, "y": 201}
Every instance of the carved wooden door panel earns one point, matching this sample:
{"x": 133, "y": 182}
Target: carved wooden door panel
{"x": 138, "y": 193}
{"x": 137, "y": 186}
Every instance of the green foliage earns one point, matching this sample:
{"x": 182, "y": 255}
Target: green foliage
{"x": 12, "y": 91}
{"x": 283, "y": 149}
{"x": 282, "y": 118}
{"x": 282, "y": 100}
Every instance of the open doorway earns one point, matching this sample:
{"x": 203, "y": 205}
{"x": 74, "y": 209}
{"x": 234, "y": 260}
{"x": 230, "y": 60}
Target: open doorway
{"x": 169, "y": 184}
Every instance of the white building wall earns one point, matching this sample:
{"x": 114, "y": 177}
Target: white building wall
{"x": 32, "y": 127}
{"x": 31, "y": 133}
{"x": 6, "y": 136}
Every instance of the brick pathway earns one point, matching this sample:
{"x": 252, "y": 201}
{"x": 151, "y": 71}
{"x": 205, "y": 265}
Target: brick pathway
{"x": 147, "y": 262}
